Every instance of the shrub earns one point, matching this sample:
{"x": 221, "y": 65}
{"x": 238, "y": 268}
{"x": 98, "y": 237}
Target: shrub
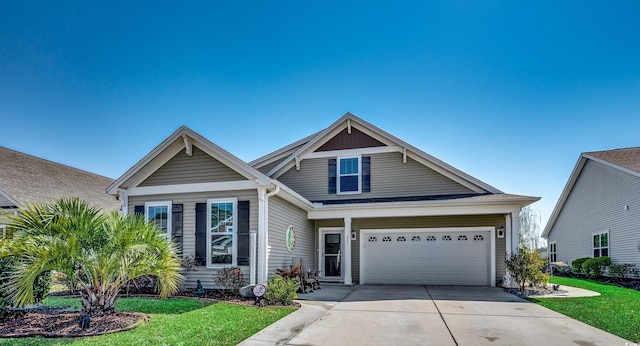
{"x": 576, "y": 264}
{"x": 281, "y": 290}
{"x": 624, "y": 270}
{"x": 230, "y": 279}
{"x": 41, "y": 285}
{"x": 294, "y": 272}
{"x": 526, "y": 267}
{"x": 593, "y": 267}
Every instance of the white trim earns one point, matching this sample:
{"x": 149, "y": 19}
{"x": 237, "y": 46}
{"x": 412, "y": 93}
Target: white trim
{"x": 15, "y": 203}
{"x": 167, "y": 204}
{"x": 321, "y": 232}
{"x": 351, "y": 152}
{"x": 194, "y": 187}
{"x": 3, "y": 230}
{"x": 402, "y": 209}
{"x": 339, "y": 175}
{"x": 234, "y": 235}
{"x": 608, "y": 247}
{"x": 188, "y": 144}
{"x": 490, "y": 230}
{"x": 346, "y": 258}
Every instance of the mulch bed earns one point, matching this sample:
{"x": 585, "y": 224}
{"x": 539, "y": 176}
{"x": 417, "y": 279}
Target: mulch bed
{"x": 534, "y": 292}
{"x": 60, "y": 322}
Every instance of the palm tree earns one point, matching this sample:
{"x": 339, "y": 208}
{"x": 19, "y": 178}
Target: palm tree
{"x": 100, "y": 252}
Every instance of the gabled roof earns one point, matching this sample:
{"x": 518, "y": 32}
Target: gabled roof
{"x": 625, "y": 159}
{"x": 29, "y": 179}
{"x": 190, "y": 137}
{"x": 311, "y": 143}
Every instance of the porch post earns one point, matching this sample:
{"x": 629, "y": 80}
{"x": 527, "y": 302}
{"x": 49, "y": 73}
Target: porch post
{"x": 347, "y": 251}
{"x": 515, "y": 224}
{"x": 507, "y": 234}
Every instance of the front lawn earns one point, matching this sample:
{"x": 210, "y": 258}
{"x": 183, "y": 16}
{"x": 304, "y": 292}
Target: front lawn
{"x": 616, "y": 311}
{"x": 179, "y": 321}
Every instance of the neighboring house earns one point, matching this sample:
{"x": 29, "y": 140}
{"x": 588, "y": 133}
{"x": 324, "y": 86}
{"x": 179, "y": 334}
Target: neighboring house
{"x": 28, "y": 179}
{"x": 353, "y": 201}
{"x": 598, "y": 213}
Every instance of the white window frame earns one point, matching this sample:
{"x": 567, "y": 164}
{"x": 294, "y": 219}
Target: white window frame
{"x": 160, "y": 204}
{"x": 553, "y": 245}
{"x": 608, "y": 247}
{"x": 234, "y": 248}
{"x": 339, "y": 176}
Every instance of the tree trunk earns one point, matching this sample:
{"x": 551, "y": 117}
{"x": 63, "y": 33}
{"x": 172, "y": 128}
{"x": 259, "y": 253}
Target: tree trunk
{"x": 98, "y": 302}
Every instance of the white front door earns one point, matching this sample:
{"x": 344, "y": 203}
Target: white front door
{"x": 331, "y": 250}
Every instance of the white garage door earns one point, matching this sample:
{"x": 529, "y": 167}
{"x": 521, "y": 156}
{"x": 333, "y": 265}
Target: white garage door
{"x": 440, "y": 257}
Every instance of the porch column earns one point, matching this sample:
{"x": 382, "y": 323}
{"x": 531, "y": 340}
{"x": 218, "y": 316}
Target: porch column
{"x": 515, "y": 225}
{"x": 262, "y": 237}
{"x": 507, "y": 234}
{"x": 347, "y": 251}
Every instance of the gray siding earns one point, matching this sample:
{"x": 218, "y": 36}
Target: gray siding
{"x": 189, "y": 224}
{"x": 421, "y": 222}
{"x": 389, "y": 178}
{"x": 282, "y": 214}
{"x": 597, "y": 203}
{"x": 198, "y": 168}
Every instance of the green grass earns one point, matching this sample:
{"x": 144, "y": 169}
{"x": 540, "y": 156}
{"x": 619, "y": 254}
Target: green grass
{"x": 616, "y": 311}
{"x": 175, "y": 321}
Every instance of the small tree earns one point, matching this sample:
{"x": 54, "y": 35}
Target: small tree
{"x": 530, "y": 228}
{"x": 526, "y": 267}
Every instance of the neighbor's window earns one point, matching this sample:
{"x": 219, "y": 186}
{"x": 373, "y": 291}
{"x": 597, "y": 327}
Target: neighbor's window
{"x": 348, "y": 175}
{"x": 221, "y": 223}
{"x": 553, "y": 252}
{"x": 601, "y": 244}
{"x": 3, "y": 231}
{"x": 160, "y": 213}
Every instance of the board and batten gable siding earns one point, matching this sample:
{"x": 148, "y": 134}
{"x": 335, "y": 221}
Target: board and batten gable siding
{"x": 189, "y": 224}
{"x": 389, "y": 178}
{"x": 420, "y": 222}
{"x": 197, "y": 168}
{"x": 597, "y": 203}
{"x": 283, "y": 214}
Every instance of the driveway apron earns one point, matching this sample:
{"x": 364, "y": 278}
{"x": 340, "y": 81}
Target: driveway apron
{"x": 441, "y": 315}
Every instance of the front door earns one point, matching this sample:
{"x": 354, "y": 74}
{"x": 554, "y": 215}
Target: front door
{"x": 331, "y": 259}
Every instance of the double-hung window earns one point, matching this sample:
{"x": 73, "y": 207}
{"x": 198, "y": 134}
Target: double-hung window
{"x": 601, "y": 244}
{"x": 553, "y": 252}
{"x": 222, "y": 219}
{"x": 348, "y": 174}
{"x": 160, "y": 214}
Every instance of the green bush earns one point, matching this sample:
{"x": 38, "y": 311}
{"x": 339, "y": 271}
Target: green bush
{"x": 230, "y": 279}
{"x": 576, "y": 264}
{"x": 41, "y": 284}
{"x": 281, "y": 291}
{"x": 624, "y": 270}
{"x": 527, "y": 268}
{"x": 592, "y": 267}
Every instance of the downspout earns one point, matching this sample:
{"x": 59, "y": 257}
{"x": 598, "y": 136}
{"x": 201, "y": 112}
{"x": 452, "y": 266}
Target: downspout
{"x": 266, "y": 248}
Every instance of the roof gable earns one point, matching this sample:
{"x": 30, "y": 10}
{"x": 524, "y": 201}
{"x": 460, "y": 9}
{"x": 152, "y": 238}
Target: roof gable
{"x": 626, "y": 160}
{"x": 383, "y": 141}
{"x": 350, "y": 139}
{"x": 183, "y": 139}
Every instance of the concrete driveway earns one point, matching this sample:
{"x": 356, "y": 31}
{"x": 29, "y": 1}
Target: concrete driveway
{"x": 433, "y": 315}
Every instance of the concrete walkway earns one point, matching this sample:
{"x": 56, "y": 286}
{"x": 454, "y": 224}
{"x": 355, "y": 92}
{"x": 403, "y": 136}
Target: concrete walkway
{"x": 421, "y": 315}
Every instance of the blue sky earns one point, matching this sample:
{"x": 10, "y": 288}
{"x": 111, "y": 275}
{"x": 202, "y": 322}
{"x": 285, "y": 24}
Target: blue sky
{"x": 508, "y": 92}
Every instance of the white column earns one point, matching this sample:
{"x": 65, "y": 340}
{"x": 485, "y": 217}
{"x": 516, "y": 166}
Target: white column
{"x": 124, "y": 201}
{"x": 253, "y": 253}
{"x": 347, "y": 251}
{"x": 515, "y": 226}
{"x": 507, "y": 234}
{"x": 262, "y": 237}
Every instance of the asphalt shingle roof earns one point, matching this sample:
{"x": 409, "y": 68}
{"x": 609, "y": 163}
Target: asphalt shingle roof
{"x": 627, "y": 157}
{"x": 29, "y": 179}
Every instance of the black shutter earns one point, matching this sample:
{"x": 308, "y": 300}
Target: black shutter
{"x": 332, "y": 176}
{"x": 138, "y": 210}
{"x": 366, "y": 174}
{"x": 176, "y": 224}
{"x": 201, "y": 233}
{"x": 243, "y": 233}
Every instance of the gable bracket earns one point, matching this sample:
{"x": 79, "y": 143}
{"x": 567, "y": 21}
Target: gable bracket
{"x": 187, "y": 144}
{"x": 404, "y": 155}
{"x": 349, "y": 126}
{"x": 297, "y": 163}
